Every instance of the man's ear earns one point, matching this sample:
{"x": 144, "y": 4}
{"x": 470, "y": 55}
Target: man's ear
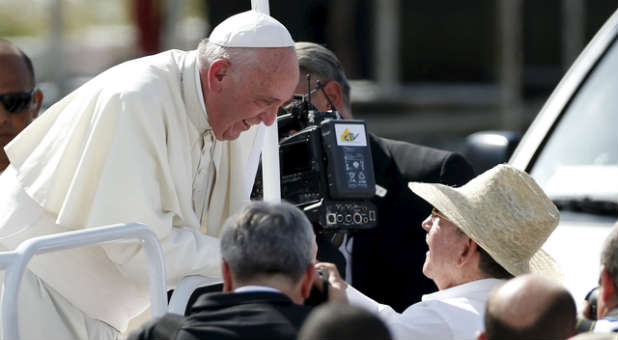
{"x": 37, "y": 101}
{"x": 481, "y": 335}
{"x": 335, "y": 93}
{"x": 468, "y": 252}
{"x": 607, "y": 283}
{"x": 307, "y": 281}
{"x": 217, "y": 71}
{"x": 228, "y": 281}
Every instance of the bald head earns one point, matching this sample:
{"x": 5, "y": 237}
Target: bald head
{"x": 12, "y": 58}
{"x": 530, "y": 307}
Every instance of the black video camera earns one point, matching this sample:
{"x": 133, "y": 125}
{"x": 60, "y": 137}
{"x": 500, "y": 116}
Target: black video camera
{"x": 326, "y": 166}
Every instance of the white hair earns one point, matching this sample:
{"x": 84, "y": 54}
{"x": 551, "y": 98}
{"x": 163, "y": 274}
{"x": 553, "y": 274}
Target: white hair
{"x": 241, "y": 58}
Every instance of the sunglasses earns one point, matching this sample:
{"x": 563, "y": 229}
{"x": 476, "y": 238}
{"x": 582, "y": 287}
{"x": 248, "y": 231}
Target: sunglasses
{"x": 16, "y": 101}
{"x": 436, "y": 213}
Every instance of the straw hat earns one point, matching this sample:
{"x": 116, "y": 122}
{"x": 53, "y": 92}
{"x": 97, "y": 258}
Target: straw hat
{"x": 251, "y": 29}
{"x": 505, "y": 212}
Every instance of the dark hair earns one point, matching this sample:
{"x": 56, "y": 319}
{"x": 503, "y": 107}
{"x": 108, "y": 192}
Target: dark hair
{"x": 24, "y": 57}
{"x": 343, "y": 321}
{"x": 491, "y": 268}
{"x": 556, "y": 322}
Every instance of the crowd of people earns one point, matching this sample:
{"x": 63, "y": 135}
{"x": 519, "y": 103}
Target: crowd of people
{"x": 173, "y": 140}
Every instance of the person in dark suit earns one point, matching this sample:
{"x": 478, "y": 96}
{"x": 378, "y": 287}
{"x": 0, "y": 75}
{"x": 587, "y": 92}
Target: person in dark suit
{"x": 385, "y": 262}
{"x": 267, "y": 251}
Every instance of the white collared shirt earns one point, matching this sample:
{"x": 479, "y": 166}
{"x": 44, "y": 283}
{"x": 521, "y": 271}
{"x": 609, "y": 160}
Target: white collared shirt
{"x": 609, "y": 323}
{"x": 453, "y": 313}
{"x": 256, "y": 288}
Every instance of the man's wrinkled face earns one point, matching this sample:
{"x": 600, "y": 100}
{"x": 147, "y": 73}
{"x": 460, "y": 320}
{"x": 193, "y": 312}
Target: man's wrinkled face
{"x": 253, "y": 96}
{"x": 444, "y": 242}
{"x": 14, "y": 79}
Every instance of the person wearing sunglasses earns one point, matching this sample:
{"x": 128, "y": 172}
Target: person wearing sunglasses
{"x": 20, "y": 100}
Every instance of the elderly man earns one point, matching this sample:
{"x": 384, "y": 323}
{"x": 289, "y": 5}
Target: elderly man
{"x": 396, "y": 247}
{"x": 529, "y": 307}
{"x": 268, "y": 251}
{"x": 155, "y": 140}
{"x": 19, "y": 98}
{"x": 488, "y": 230}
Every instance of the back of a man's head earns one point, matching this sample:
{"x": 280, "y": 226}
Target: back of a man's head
{"x": 267, "y": 239}
{"x": 343, "y": 321}
{"x": 530, "y": 307}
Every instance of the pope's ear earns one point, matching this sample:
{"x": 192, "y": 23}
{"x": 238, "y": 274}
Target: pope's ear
{"x": 217, "y": 71}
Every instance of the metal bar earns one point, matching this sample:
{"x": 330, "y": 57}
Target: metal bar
{"x": 270, "y": 146}
{"x": 16, "y": 261}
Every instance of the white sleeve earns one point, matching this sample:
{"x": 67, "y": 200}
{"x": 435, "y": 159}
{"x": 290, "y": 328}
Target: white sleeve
{"x": 418, "y": 321}
{"x": 135, "y": 184}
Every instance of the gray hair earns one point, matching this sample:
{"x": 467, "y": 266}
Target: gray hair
{"x": 487, "y": 265}
{"x": 265, "y": 239}
{"x": 322, "y": 63}
{"x": 242, "y": 57}
{"x": 609, "y": 255}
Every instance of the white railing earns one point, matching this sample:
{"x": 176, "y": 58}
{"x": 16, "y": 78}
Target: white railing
{"x": 15, "y": 262}
{"x": 182, "y": 293}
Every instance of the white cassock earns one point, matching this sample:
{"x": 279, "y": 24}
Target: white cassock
{"x": 131, "y": 145}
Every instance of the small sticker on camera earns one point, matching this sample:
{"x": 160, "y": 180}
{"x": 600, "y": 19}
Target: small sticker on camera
{"x": 350, "y": 134}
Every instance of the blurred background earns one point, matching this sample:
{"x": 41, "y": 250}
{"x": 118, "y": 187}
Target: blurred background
{"x": 430, "y": 72}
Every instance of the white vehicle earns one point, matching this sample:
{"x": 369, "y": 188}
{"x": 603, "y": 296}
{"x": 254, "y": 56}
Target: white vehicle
{"x": 571, "y": 150}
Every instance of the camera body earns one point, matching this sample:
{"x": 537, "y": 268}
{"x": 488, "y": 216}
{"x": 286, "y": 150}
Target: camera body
{"x": 326, "y": 168}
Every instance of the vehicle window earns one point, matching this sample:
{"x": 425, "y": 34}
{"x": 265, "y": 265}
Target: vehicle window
{"x": 585, "y": 139}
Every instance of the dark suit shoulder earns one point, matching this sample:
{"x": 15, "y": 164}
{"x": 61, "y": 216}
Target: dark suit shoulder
{"x": 250, "y": 315}
{"x": 425, "y": 164}
{"x": 164, "y": 327}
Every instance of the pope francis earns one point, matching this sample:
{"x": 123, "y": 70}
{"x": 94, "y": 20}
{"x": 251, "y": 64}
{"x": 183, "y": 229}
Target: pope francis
{"x": 170, "y": 140}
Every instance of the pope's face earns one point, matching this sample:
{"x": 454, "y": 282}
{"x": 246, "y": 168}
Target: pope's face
{"x": 253, "y": 96}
